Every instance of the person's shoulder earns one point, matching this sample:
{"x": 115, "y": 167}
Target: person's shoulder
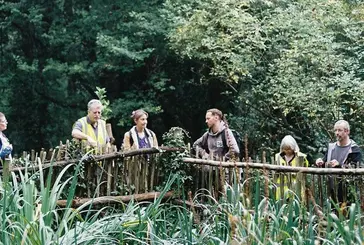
{"x": 300, "y": 154}
{"x": 103, "y": 122}
{"x": 127, "y": 133}
{"x": 354, "y": 146}
{"x": 151, "y": 131}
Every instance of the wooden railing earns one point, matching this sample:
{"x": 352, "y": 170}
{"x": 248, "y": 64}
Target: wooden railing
{"x": 135, "y": 172}
{"x": 311, "y": 185}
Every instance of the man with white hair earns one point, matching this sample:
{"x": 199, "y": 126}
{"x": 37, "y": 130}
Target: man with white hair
{"x": 344, "y": 152}
{"x": 91, "y": 129}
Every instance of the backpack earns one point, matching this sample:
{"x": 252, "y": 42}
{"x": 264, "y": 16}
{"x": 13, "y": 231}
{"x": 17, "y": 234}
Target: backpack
{"x": 237, "y": 136}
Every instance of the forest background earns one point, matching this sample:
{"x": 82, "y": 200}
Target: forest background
{"x": 274, "y": 67}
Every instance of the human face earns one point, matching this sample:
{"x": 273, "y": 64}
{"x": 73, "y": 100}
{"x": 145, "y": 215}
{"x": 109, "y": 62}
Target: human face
{"x": 341, "y": 133}
{"x": 141, "y": 122}
{"x": 94, "y": 114}
{"x": 211, "y": 119}
{"x": 3, "y": 124}
{"x": 288, "y": 151}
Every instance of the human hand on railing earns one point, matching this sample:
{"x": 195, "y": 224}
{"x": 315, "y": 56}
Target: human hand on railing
{"x": 333, "y": 163}
{"x": 205, "y": 156}
{"x": 319, "y": 162}
{"x": 91, "y": 141}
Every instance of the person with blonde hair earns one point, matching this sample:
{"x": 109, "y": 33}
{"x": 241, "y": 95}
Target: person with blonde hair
{"x": 139, "y": 136}
{"x": 289, "y": 155}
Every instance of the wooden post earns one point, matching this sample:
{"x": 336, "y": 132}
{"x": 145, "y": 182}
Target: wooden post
{"x": 67, "y": 147}
{"x": 136, "y": 173}
{"x": 152, "y": 173}
{"x": 109, "y": 131}
{"x": 89, "y": 179}
{"x": 116, "y": 176}
{"x": 109, "y": 177}
{"x": 210, "y": 179}
{"x": 43, "y": 157}
{"x": 32, "y": 155}
{"x": 300, "y": 182}
{"x": 41, "y": 154}
{"x": 59, "y": 153}
{"x": 25, "y": 154}
{"x": 50, "y": 154}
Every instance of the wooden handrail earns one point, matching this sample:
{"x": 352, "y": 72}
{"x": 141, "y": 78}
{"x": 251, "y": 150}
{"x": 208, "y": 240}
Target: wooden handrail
{"x": 278, "y": 168}
{"x": 114, "y": 155}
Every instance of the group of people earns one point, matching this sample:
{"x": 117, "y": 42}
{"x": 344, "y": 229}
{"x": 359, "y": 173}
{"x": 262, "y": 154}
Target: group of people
{"x": 217, "y": 143}
{"x": 91, "y": 129}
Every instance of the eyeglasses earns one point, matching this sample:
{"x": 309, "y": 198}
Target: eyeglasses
{"x": 3, "y": 121}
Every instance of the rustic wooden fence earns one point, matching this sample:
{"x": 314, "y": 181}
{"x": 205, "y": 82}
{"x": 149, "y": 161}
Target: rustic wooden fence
{"x": 116, "y": 173}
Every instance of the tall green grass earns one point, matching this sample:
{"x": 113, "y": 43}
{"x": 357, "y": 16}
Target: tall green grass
{"x": 30, "y": 215}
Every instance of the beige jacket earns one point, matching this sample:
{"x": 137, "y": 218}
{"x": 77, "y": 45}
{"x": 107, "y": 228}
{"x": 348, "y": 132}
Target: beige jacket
{"x": 132, "y": 144}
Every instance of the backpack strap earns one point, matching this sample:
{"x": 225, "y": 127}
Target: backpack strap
{"x": 223, "y": 137}
{"x": 131, "y": 140}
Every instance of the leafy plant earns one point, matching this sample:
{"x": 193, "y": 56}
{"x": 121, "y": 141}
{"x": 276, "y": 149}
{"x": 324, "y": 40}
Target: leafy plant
{"x": 106, "y": 111}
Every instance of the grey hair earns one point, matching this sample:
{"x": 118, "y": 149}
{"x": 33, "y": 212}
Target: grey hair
{"x": 92, "y": 103}
{"x": 289, "y": 141}
{"x": 344, "y": 123}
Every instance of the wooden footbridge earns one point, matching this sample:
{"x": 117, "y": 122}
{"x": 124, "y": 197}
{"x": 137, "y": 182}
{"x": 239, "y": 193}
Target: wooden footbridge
{"x": 138, "y": 175}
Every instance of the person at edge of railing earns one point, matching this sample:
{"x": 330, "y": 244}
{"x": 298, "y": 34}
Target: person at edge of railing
{"x": 289, "y": 155}
{"x": 139, "y": 136}
{"x": 344, "y": 153}
{"x": 5, "y": 146}
{"x": 218, "y": 142}
{"x": 91, "y": 129}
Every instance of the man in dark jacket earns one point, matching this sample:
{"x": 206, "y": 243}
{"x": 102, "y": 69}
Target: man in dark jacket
{"x": 341, "y": 154}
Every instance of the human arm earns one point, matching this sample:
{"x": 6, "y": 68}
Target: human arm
{"x": 320, "y": 162}
{"x": 200, "y": 146}
{"x": 78, "y": 134}
{"x": 126, "y": 141}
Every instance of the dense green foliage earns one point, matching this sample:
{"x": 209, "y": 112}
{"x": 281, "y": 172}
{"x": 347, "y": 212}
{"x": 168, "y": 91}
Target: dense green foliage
{"x": 275, "y": 67}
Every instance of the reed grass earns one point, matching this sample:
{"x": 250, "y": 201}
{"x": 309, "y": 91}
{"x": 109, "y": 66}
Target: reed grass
{"x": 30, "y": 215}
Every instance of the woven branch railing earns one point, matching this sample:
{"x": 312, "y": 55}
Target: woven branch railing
{"x": 268, "y": 179}
{"x": 115, "y": 173}
{"x": 134, "y": 172}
